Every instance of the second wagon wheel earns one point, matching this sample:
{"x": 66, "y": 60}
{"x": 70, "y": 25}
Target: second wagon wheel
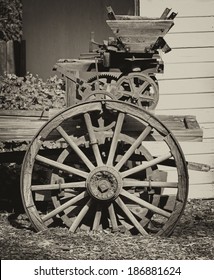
{"x": 106, "y": 175}
{"x": 140, "y": 89}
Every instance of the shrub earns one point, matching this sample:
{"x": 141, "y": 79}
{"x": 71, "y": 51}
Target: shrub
{"x": 31, "y": 93}
{"x": 10, "y": 20}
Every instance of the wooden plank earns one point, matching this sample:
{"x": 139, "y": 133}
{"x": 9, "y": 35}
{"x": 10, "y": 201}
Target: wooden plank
{"x": 24, "y": 113}
{"x": 6, "y": 125}
{"x": 176, "y": 124}
{"x": 204, "y": 115}
{"x": 184, "y": 8}
{"x": 3, "y": 57}
{"x": 189, "y": 55}
{"x": 198, "y": 148}
{"x": 137, "y": 7}
{"x": 183, "y": 86}
{"x": 111, "y": 14}
{"x": 205, "y": 191}
{"x": 10, "y": 58}
{"x": 193, "y": 24}
{"x": 165, "y": 13}
{"x": 181, "y": 25}
{"x": 208, "y": 131}
{"x": 190, "y": 40}
{"x": 17, "y": 135}
{"x": 144, "y": 41}
{"x": 191, "y": 122}
{"x": 204, "y": 159}
{"x": 187, "y": 70}
{"x": 208, "y": 125}
{"x": 194, "y": 151}
{"x": 195, "y": 177}
{"x": 186, "y": 101}
{"x": 127, "y": 27}
{"x": 208, "y": 134}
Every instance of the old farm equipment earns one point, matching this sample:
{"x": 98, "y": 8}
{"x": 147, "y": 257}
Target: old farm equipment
{"x": 101, "y": 171}
{"x": 124, "y": 65}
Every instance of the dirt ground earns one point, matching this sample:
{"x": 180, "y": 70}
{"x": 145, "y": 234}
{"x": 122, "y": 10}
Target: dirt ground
{"x": 193, "y": 239}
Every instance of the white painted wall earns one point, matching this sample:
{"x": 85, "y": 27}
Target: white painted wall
{"x": 187, "y": 85}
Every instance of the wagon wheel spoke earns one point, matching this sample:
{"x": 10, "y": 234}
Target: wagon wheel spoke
{"x": 64, "y": 206}
{"x": 145, "y": 165}
{"x": 71, "y": 185}
{"x": 130, "y": 216}
{"x": 74, "y": 146}
{"x": 97, "y": 217}
{"x": 133, "y": 147}
{"x": 93, "y": 139}
{"x": 113, "y": 217}
{"x": 143, "y": 203}
{"x": 114, "y": 142}
{"x": 147, "y": 184}
{"x": 80, "y": 216}
{"x": 62, "y": 166}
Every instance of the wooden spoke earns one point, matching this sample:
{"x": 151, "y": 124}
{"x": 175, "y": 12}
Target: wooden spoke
{"x": 72, "y": 185}
{"x": 80, "y": 216}
{"x": 145, "y": 165}
{"x": 136, "y": 85}
{"x": 62, "y": 166}
{"x": 143, "y": 87}
{"x": 74, "y": 146}
{"x": 97, "y": 217}
{"x": 64, "y": 206}
{"x": 133, "y": 147}
{"x": 146, "y": 98}
{"x": 113, "y": 217}
{"x": 130, "y": 216}
{"x": 153, "y": 184}
{"x": 132, "y": 85}
{"x": 93, "y": 140}
{"x": 145, "y": 204}
{"x": 114, "y": 142}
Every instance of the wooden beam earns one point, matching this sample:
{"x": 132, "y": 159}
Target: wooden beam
{"x": 3, "y": 57}
{"x": 136, "y": 7}
{"x": 165, "y": 13}
{"x": 111, "y": 14}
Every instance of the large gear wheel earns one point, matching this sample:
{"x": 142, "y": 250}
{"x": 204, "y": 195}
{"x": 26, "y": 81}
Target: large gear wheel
{"x": 105, "y": 83}
{"x": 139, "y": 89}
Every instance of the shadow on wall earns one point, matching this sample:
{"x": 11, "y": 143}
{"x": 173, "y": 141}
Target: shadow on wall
{"x": 61, "y": 29}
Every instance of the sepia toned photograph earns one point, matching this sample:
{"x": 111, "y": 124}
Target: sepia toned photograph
{"x": 107, "y": 130}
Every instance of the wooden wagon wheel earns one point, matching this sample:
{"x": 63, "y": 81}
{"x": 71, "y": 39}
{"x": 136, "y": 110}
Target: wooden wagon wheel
{"x": 140, "y": 89}
{"x": 105, "y": 178}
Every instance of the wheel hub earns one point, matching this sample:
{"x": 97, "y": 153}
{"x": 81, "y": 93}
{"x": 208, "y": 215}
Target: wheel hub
{"x": 104, "y": 183}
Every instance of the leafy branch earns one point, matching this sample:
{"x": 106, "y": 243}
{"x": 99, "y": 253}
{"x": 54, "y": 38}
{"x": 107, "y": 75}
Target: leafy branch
{"x": 10, "y": 20}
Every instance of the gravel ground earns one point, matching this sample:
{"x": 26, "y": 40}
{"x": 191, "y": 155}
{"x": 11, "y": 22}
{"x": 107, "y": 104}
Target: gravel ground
{"x": 193, "y": 239}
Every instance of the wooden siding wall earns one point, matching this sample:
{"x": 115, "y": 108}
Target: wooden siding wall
{"x": 187, "y": 85}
